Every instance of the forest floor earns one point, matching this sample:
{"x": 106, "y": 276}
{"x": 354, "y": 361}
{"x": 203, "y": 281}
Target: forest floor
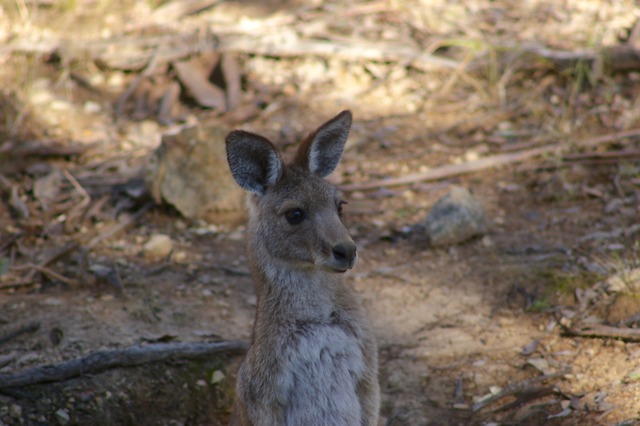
{"x": 536, "y": 322}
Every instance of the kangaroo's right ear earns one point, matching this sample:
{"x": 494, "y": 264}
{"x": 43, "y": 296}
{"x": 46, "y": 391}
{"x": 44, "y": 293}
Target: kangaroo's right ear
{"x": 254, "y": 162}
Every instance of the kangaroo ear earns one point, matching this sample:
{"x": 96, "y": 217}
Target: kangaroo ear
{"x": 322, "y": 150}
{"x": 254, "y": 162}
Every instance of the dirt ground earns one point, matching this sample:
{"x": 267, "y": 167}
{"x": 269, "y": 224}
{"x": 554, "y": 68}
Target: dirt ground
{"x": 477, "y": 333}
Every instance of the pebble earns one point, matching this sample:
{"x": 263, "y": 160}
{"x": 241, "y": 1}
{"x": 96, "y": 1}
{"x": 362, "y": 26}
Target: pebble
{"x": 62, "y": 416}
{"x": 91, "y": 107}
{"x": 15, "y": 411}
{"x": 217, "y": 377}
{"x": 455, "y": 218}
{"x": 158, "y": 247}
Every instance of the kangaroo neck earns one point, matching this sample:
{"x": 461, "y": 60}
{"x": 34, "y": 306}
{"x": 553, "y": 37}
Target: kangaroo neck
{"x": 298, "y": 294}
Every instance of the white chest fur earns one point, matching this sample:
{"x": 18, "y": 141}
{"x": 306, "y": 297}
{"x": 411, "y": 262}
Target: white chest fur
{"x": 314, "y": 380}
{"x": 319, "y": 377}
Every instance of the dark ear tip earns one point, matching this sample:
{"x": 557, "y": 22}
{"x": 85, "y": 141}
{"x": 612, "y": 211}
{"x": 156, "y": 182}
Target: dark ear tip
{"x": 345, "y": 113}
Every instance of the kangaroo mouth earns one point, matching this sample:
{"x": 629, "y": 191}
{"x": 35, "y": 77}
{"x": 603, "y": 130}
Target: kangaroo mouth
{"x": 342, "y": 265}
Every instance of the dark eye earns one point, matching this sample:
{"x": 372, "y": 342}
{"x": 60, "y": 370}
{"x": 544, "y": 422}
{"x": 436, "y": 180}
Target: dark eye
{"x": 294, "y": 216}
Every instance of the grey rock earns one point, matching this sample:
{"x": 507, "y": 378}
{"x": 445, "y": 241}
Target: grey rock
{"x": 456, "y": 217}
{"x": 62, "y": 417}
{"x": 189, "y": 171}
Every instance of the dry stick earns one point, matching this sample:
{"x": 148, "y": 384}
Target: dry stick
{"x": 350, "y": 50}
{"x": 41, "y": 267}
{"x": 615, "y": 155}
{"x": 484, "y": 163}
{"x": 52, "y": 257}
{"x": 148, "y": 71}
{"x": 174, "y": 10}
{"x": 527, "y": 395}
{"x": 29, "y": 328}
{"x": 127, "y": 357}
{"x": 600, "y": 330}
{"x": 120, "y": 226}
{"x": 518, "y": 388}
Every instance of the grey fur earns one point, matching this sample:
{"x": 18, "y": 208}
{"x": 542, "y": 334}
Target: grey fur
{"x": 313, "y": 357}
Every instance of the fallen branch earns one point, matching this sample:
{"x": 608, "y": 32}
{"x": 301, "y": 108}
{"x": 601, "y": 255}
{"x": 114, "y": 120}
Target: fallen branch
{"x": 289, "y": 44}
{"x": 451, "y": 170}
{"x": 132, "y": 53}
{"x": 117, "y": 358}
{"x": 56, "y": 254}
{"x": 175, "y": 10}
{"x": 616, "y": 155}
{"x": 605, "y": 331}
{"x": 527, "y": 395}
{"x": 119, "y": 227}
{"x": 29, "y": 328}
{"x": 607, "y": 58}
{"x": 520, "y": 388}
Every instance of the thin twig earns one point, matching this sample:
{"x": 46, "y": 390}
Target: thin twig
{"x": 148, "y": 71}
{"x": 605, "y": 331}
{"x": 451, "y": 170}
{"x": 29, "y": 328}
{"x": 120, "y": 226}
{"x": 518, "y": 388}
{"x": 127, "y": 357}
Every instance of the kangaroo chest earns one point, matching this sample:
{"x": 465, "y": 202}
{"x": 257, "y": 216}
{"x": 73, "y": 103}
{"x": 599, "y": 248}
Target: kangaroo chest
{"x": 315, "y": 376}
{"x": 318, "y": 377}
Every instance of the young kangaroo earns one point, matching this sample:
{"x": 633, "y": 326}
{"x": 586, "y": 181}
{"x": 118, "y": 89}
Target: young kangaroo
{"x": 313, "y": 358}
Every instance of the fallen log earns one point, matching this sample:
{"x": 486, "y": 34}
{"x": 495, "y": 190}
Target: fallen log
{"x": 117, "y": 358}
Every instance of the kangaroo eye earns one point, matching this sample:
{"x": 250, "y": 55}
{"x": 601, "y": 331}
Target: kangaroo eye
{"x": 294, "y": 216}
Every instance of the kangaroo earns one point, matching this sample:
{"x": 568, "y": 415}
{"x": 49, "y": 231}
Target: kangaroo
{"x": 313, "y": 359}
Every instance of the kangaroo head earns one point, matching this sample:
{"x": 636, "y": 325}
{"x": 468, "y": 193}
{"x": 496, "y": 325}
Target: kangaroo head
{"x": 295, "y": 215}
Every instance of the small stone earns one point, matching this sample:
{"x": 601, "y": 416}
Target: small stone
{"x": 15, "y": 411}
{"x": 204, "y": 279}
{"x": 52, "y": 301}
{"x": 91, "y": 107}
{"x": 60, "y": 105}
{"x": 217, "y": 377}
{"x": 201, "y": 383}
{"x": 107, "y": 298}
{"x": 252, "y": 300}
{"x": 62, "y": 416}
{"x": 158, "y": 247}
{"x": 541, "y": 365}
{"x": 455, "y": 218}
{"x": 179, "y": 256}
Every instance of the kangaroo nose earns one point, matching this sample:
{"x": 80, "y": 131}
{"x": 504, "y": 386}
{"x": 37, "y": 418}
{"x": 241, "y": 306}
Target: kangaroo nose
{"x": 344, "y": 252}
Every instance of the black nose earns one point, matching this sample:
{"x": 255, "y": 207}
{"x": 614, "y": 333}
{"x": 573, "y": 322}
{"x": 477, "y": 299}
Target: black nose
{"x": 344, "y": 252}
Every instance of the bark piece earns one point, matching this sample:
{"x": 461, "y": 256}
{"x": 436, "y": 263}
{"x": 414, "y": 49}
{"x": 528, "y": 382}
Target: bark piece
{"x": 197, "y": 83}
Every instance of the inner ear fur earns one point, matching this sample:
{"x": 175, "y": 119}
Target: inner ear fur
{"x": 253, "y": 160}
{"x": 320, "y": 153}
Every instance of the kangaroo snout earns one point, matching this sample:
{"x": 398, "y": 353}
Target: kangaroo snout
{"x": 345, "y": 255}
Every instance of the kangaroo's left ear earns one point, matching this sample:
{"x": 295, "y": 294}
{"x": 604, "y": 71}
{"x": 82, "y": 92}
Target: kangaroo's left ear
{"x": 320, "y": 153}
